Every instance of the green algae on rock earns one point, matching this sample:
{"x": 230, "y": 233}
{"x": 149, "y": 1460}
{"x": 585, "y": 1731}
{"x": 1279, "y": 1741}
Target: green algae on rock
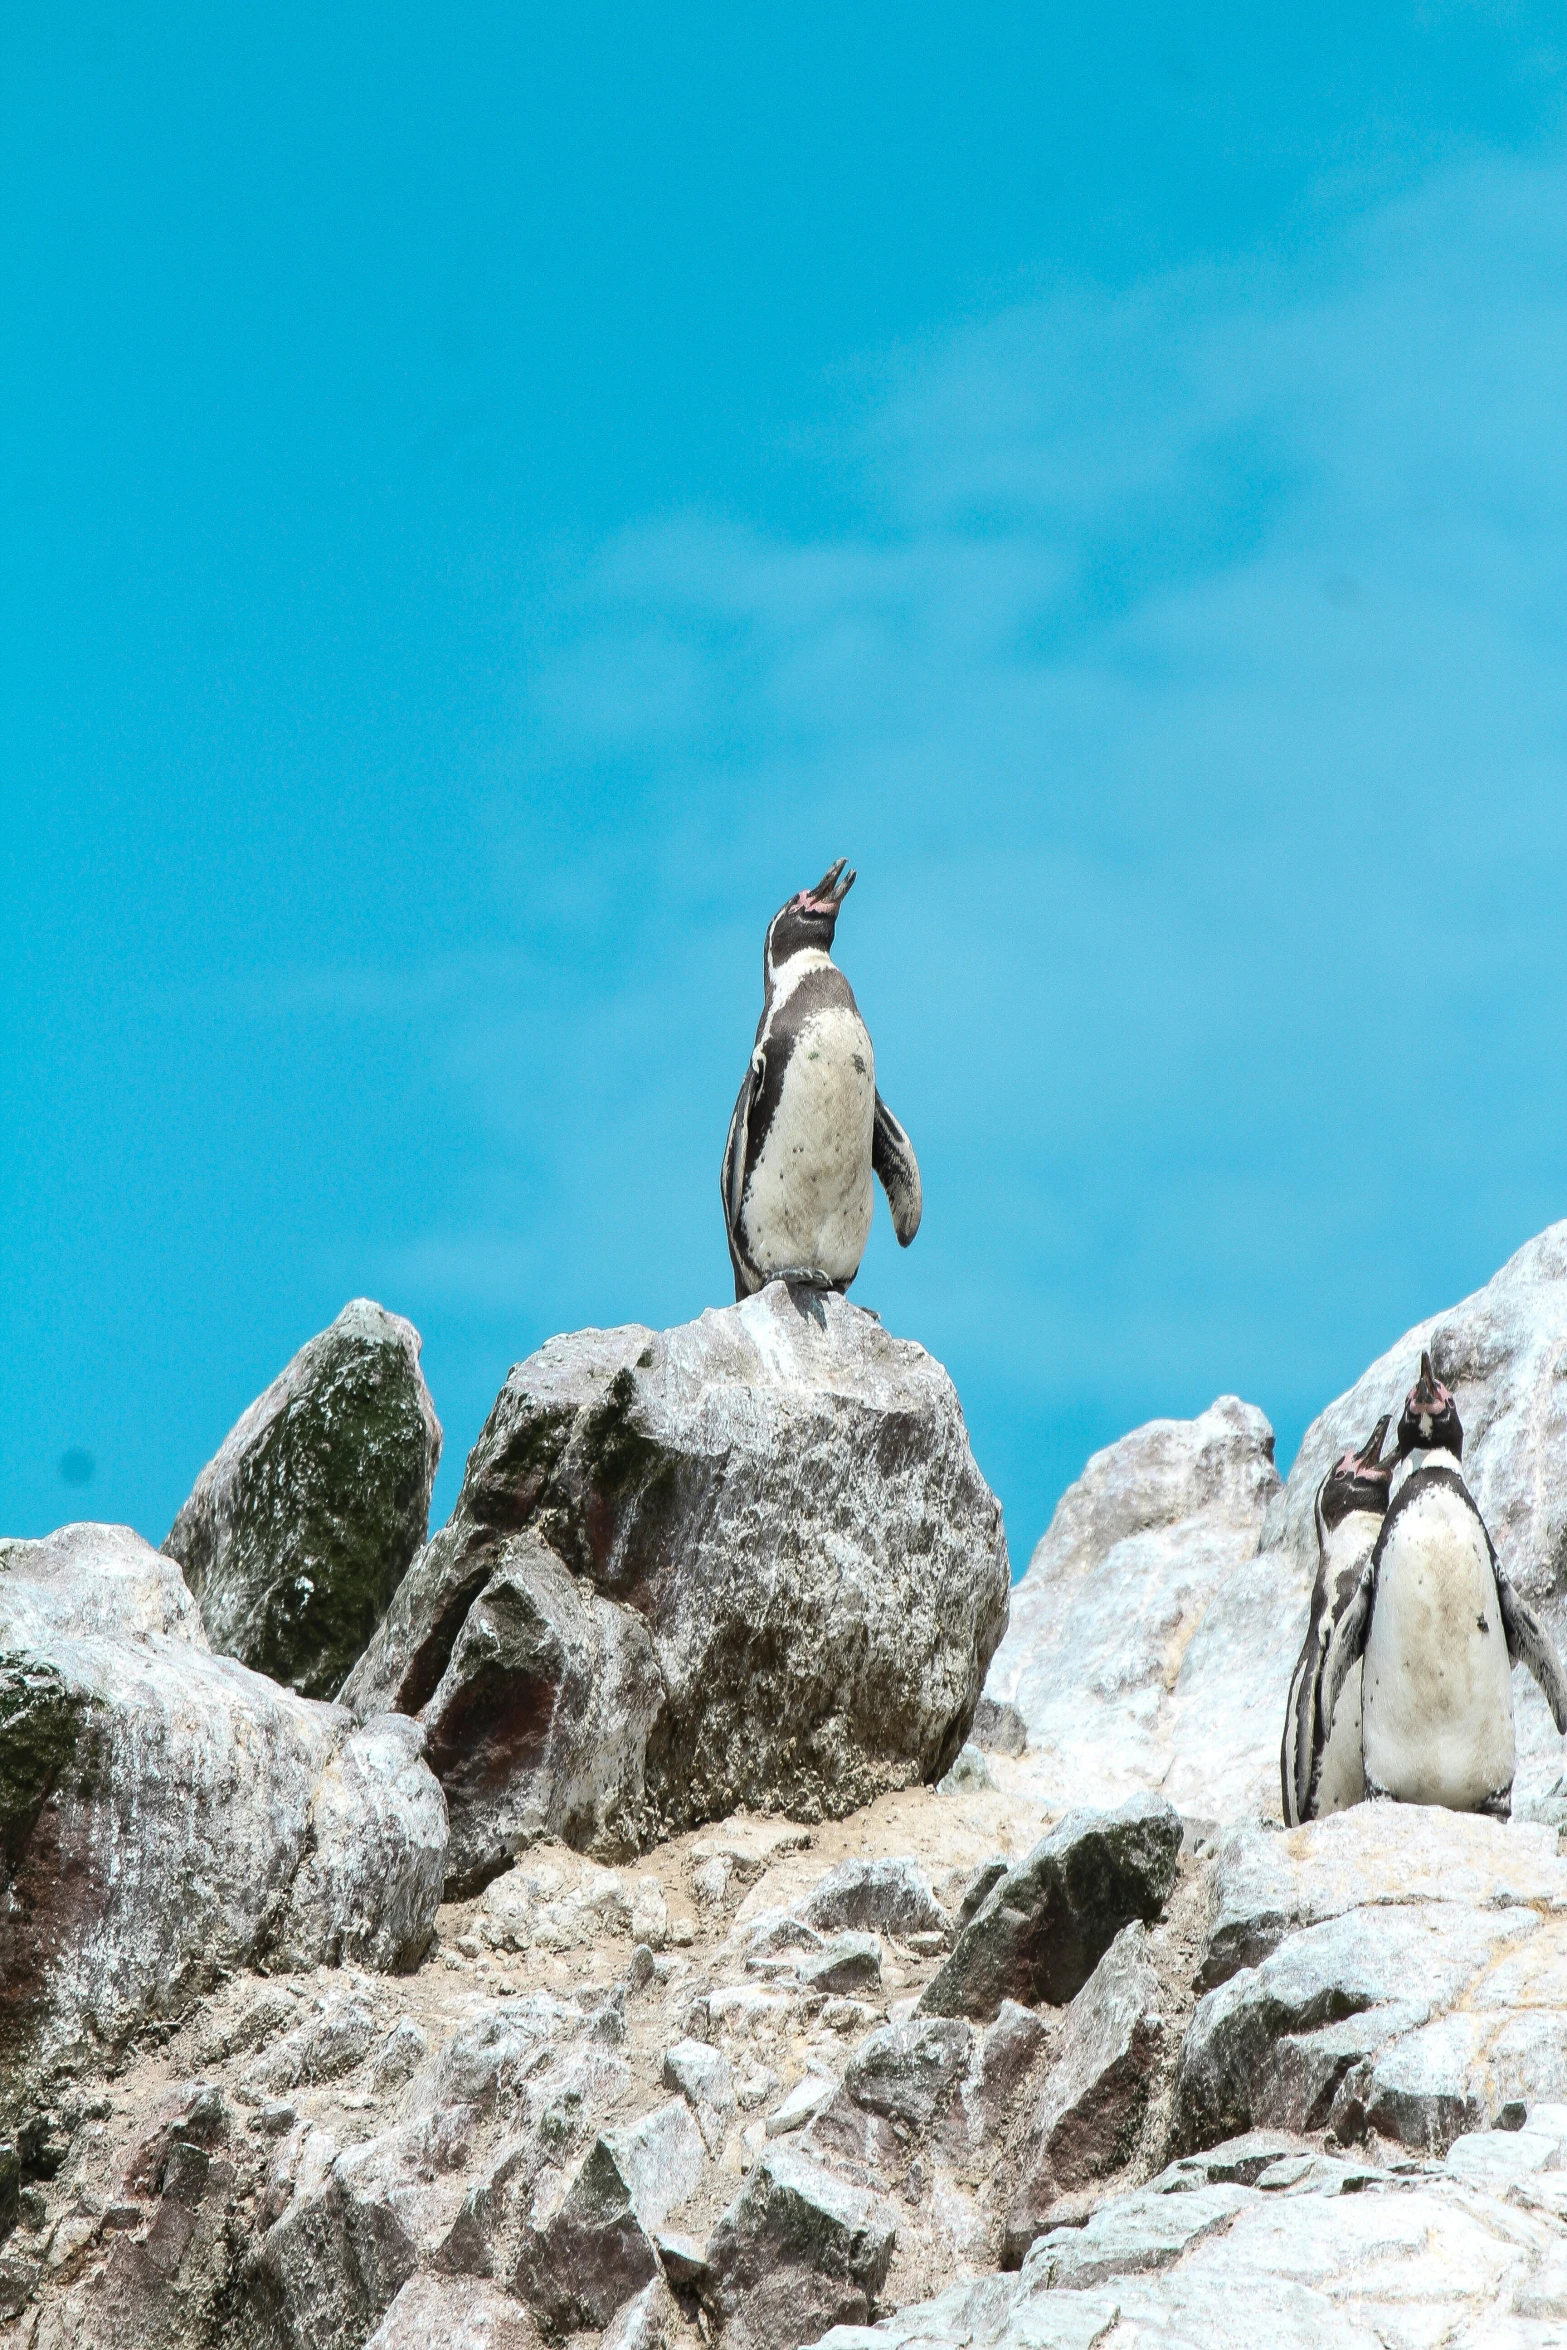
{"x": 301, "y": 1527}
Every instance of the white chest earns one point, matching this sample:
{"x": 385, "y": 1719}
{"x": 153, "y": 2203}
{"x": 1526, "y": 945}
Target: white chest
{"x": 808, "y": 1202}
{"x": 1436, "y": 1698}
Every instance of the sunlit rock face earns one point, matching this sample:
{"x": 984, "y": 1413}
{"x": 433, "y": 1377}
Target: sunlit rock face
{"x": 749, "y": 1561}
{"x": 167, "y": 1815}
{"x": 1145, "y": 1640}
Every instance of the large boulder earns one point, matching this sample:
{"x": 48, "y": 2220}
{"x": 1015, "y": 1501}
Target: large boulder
{"x": 1271, "y": 2242}
{"x": 302, "y": 1525}
{"x": 747, "y": 1562}
{"x": 167, "y": 1815}
{"x": 1132, "y": 1652}
{"x": 1393, "y": 1968}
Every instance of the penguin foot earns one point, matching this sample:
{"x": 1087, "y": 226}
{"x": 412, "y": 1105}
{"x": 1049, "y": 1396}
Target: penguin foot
{"x": 804, "y": 1277}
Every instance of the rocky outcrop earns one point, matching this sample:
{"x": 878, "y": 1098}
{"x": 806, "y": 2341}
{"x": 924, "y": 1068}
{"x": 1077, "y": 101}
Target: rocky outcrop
{"x": 1141, "y": 1638}
{"x": 1048, "y": 1922}
{"x": 1088, "y": 2118}
{"x": 302, "y": 1525}
{"x": 1435, "y": 2007}
{"x": 745, "y": 1562}
{"x": 166, "y": 1815}
{"x": 1268, "y": 2240}
{"x": 798, "y": 2250}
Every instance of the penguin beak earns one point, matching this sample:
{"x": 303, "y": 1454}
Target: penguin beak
{"x": 1371, "y": 1450}
{"x": 830, "y": 891}
{"x": 1429, "y": 1394}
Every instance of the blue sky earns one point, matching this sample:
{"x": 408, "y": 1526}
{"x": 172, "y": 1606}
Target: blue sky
{"x": 494, "y": 499}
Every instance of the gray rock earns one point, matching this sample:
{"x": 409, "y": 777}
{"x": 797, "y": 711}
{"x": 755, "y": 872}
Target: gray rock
{"x": 302, "y": 1525}
{"x": 1266, "y": 1886}
{"x": 1300, "y": 2254}
{"x": 1042, "y": 1931}
{"x": 849, "y": 1963}
{"x": 371, "y": 1883}
{"x": 1297, "y": 2043}
{"x": 875, "y": 1896}
{"x": 157, "y": 1811}
{"x": 969, "y": 1775}
{"x": 1094, "y": 2100}
{"x": 797, "y": 2251}
{"x": 597, "y": 2249}
{"x": 778, "y": 1507}
{"x": 702, "y": 2076}
{"x": 649, "y": 2320}
{"x": 1132, "y": 1652}
{"x": 452, "y": 2313}
{"x": 999, "y": 1728}
{"x": 908, "y": 2072}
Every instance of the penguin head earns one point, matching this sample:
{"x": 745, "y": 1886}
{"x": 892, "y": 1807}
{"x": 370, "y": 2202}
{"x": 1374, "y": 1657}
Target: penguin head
{"x": 1430, "y": 1421}
{"x": 1359, "y": 1481}
{"x": 809, "y": 918}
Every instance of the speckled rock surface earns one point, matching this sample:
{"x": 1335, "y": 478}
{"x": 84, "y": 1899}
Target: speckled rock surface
{"x": 302, "y": 1525}
{"x": 747, "y": 1561}
{"x": 166, "y": 1815}
{"x": 1136, "y": 1635}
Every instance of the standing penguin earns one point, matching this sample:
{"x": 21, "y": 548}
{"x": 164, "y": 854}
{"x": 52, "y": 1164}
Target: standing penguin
{"x": 1319, "y": 1760}
{"x": 809, "y": 1128}
{"x": 1440, "y": 1628}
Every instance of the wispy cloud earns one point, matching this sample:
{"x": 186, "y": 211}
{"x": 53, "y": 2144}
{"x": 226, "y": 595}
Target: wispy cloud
{"x": 1190, "y": 693}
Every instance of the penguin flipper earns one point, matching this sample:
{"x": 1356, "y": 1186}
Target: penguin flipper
{"x": 1529, "y": 1643}
{"x": 732, "y": 1179}
{"x": 1346, "y": 1642}
{"x": 892, "y": 1157}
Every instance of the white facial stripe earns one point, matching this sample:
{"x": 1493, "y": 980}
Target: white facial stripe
{"x": 788, "y": 975}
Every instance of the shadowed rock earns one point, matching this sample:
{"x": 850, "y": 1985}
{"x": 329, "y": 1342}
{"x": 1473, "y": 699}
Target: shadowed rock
{"x": 797, "y": 2251}
{"x": 1042, "y": 1931}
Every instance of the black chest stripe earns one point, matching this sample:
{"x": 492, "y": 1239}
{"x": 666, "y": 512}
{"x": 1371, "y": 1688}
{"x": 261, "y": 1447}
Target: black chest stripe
{"x": 819, "y": 991}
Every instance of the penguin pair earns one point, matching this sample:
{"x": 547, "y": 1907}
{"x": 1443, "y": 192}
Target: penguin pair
{"x": 809, "y": 1129}
{"x": 1403, "y": 1688}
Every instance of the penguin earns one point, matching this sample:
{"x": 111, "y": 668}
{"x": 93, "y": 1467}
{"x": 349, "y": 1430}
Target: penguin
{"x": 1439, "y": 1628}
{"x": 1319, "y": 1760}
{"x": 809, "y": 1128}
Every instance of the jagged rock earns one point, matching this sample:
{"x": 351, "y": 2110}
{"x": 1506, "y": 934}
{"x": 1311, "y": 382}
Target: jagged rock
{"x": 1284, "y": 2248}
{"x": 1131, "y": 1650}
{"x": 1420, "y": 2014}
{"x": 157, "y": 1811}
{"x": 1266, "y": 1886}
{"x": 843, "y": 1966}
{"x": 1044, "y": 1928}
{"x": 803, "y": 2103}
{"x": 703, "y": 2078}
{"x": 371, "y": 1883}
{"x": 779, "y": 1581}
{"x": 999, "y": 1728}
{"x": 798, "y": 2250}
{"x": 597, "y": 2249}
{"x": 907, "y": 2072}
{"x": 650, "y": 2318}
{"x": 451, "y": 2313}
{"x": 874, "y": 1896}
{"x": 1097, "y": 2092}
{"x": 302, "y": 1525}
